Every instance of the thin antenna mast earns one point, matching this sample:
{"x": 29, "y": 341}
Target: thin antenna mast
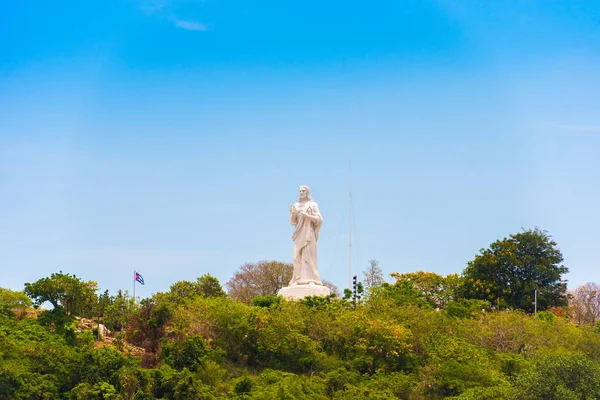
{"x": 350, "y": 244}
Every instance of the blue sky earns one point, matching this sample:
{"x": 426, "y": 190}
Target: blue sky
{"x": 170, "y": 136}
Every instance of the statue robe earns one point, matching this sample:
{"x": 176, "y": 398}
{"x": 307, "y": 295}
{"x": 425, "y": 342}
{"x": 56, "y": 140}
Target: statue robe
{"x": 305, "y": 239}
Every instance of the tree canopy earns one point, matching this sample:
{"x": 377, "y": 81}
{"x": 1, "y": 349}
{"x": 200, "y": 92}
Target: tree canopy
{"x": 509, "y": 271}
{"x": 258, "y": 279}
{"x": 76, "y": 297}
{"x": 205, "y": 286}
{"x": 438, "y": 290}
{"x": 373, "y": 275}
{"x": 13, "y": 302}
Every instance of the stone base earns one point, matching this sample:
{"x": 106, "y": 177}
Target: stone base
{"x": 300, "y": 291}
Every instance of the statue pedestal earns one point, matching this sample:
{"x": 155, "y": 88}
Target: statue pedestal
{"x": 300, "y": 291}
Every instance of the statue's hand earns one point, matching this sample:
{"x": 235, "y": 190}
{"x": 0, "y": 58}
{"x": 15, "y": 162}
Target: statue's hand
{"x": 292, "y": 209}
{"x": 312, "y": 218}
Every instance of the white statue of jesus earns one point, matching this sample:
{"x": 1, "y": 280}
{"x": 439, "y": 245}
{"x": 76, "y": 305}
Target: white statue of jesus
{"x": 307, "y": 220}
{"x": 305, "y": 216}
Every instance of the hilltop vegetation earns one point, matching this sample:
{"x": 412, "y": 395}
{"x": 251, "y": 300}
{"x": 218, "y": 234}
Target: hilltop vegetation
{"x": 425, "y": 336}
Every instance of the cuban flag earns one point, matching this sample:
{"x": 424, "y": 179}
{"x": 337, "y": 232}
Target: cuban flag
{"x": 139, "y": 278}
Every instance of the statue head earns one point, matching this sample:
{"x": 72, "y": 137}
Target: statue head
{"x": 304, "y": 193}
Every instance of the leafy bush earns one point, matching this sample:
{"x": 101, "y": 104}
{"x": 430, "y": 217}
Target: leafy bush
{"x": 243, "y": 385}
{"x": 190, "y": 352}
{"x": 267, "y": 300}
{"x": 560, "y": 376}
{"x": 467, "y": 308}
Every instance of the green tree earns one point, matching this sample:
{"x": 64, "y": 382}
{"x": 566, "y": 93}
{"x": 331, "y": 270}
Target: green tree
{"x": 503, "y": 391}
{"x": 104, "y": 301}
{"x": 117, "y": 311}
{"x": 510, "y": 270}
{"x": 455, "y": 366}
{"x": 191, "y": 352}
{"x": 466, "y": 308}
{"x": 205, "y": 286}
{"x": 13, "y": 302}
{"x": 186, "y": 386}
{"x": 148, "y": 324}
{"x": 438, "y": 290}
{"x": 76, "y": 297}
{"x": 401, "y": 293}
{"x": 560, "y": 376}
{"x": 243, "y": 385}
{"x": 209, "y": 286}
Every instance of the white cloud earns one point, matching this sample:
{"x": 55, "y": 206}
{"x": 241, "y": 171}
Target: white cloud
{"x": 162, "y": 8}
{"x": 190, "y": 25}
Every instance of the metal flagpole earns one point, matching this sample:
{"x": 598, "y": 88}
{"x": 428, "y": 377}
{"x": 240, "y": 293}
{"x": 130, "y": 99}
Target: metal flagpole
{"x": 134, "y": 285}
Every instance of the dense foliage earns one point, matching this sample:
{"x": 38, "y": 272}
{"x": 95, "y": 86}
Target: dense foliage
{"x": 393, "y": 345}
{"x": 66, "y": 291}
{"x": 509, "y": 271}
{"x": 419, "y": 338}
